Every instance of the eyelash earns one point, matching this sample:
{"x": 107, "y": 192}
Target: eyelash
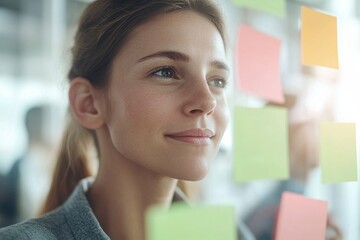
{"x": 171, "y": 69}
{"x": 174, "y": 75}
{"x": 224, "y": 82}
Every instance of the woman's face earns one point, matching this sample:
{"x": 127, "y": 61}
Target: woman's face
{"x": 165, "y": 106}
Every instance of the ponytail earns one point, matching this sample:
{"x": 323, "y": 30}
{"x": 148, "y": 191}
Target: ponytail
{"x": 72, "y": 164}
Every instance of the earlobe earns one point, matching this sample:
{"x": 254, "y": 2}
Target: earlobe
{"x": 84, "y": 104}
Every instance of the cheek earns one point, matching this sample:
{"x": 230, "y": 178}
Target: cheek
{"x": 222, "y": 116}
{"x": 138, "y": 112}
{"x": 148, "y": 108}
{"x": 129, "y": 122}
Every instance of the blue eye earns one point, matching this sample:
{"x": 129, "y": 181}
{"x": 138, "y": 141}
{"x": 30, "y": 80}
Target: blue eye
{"x": 165, "y": 72}
{"x": 219, "y": 83}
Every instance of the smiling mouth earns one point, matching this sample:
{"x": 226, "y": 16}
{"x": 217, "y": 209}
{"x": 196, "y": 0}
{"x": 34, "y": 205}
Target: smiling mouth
{"x": 200, "y": 137}
{"x": 203, "y": 141}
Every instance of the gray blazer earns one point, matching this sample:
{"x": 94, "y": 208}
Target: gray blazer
{"x": 75, "y": 220}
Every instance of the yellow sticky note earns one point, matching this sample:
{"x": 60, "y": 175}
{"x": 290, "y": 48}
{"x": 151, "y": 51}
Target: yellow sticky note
{"x": 260, "y": 144}
{"x": 319, "y": 38}
{"x": 338, "y": 152}
{"x": 198, "y": 222}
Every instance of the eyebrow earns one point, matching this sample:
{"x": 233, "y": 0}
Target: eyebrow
{"x": 178, "y": 56}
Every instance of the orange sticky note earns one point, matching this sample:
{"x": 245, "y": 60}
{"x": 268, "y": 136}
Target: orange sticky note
{"x": 319, "y": 39}
{"x": 258, "y": 64}
{"x": 301, "y": 218}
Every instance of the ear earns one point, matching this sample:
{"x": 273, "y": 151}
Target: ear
{"x": 84, "y": 103}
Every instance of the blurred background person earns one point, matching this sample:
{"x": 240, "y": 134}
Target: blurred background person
{"x": 28, "y": 180}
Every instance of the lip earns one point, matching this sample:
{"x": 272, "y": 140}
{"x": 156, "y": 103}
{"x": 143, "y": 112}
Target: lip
{"x": 196, "y": 136}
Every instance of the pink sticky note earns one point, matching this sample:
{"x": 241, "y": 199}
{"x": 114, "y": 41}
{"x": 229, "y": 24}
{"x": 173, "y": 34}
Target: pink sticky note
{"x": 258, "y": 64}
{"x": 301, "y": 218}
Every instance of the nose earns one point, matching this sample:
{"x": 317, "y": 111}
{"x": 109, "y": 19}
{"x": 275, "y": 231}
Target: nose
{"x": 200, "y": 100}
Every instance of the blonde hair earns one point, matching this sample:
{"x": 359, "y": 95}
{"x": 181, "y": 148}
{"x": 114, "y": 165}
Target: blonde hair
{"x": 103, "y": 29}
{"x": 72, "y": 164}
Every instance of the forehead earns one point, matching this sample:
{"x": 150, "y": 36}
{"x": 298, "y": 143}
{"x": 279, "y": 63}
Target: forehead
{"x": 183, "y": 31}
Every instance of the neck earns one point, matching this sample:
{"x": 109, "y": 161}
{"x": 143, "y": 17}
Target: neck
{"x": 121, "y": 195}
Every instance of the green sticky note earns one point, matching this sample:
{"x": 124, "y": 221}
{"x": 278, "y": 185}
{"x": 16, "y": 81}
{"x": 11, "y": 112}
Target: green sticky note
{"x": 260, "y": 143}
{"x": 199, "y": 222}
{"x": 275, "y": 7}
{"x": 338, "y": 152}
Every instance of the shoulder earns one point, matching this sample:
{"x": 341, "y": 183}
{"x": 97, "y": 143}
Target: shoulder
{"x": 73, "y": 220}
{"x": 51, "y": 226}
{"x": 25, "y": 230}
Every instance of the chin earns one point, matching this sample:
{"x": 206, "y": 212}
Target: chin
{"x": 195, "y": 178}
{"x": 192, "y": 173}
